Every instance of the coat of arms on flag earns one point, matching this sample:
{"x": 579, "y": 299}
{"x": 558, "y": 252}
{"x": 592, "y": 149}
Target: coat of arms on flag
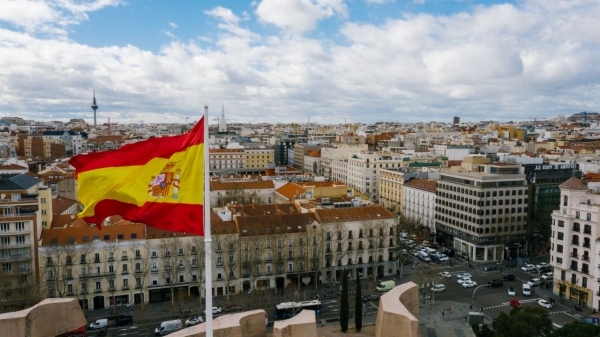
{"x": 160, "y": 185}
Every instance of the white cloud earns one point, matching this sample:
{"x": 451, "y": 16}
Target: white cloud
{"x": 225, "y": 14}
{"x": 173, "y": 25}
{"x": 513, "y": 61}
{"x": 298, "y": 16}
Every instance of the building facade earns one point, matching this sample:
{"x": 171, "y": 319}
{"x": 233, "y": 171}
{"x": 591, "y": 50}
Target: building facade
{"x": 482, "y": 213}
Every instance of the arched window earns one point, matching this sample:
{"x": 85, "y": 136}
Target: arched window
{"x": 566, "y": 200}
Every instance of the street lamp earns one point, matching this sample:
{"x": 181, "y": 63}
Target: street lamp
{"x": 473, "y": 303}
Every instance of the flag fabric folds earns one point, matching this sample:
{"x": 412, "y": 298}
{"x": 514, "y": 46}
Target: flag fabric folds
{"x": 159, "y": 182}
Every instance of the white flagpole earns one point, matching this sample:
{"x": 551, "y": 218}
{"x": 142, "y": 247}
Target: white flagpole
{"x": 207, "y": 239}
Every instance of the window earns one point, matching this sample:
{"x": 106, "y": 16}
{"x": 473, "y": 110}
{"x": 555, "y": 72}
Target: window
{"x": 588, "y": 217}
{"x": 290, "y": 242}
{"x": 98, "y": 285}
{"x": 43, "y": 200}
{"x": 125, "y": 283}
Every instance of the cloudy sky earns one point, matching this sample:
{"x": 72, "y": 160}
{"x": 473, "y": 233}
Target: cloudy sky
{"x": 286, "y": 60}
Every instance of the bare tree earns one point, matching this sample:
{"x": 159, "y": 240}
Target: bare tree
{"x": 314, "y": 236}
{"x": 336, "y": 245}
{"x": 377, "y": 233}
{"x": 229, "y": 251}
{"x": 239, "y": 196}
{"x": 169, "y": 248}
{"x": 58, "y": 269}
{"x": 111, "y": 266}
{"x": 84, "y": 258}
{"x": 194, "y": 252}
{"x": 140, "y": 264}
{"x": 280, "y": 245}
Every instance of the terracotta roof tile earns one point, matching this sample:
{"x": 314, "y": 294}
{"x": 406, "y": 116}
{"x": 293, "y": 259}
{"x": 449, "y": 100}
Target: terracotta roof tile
{"x": 422, "y": 184}
{"x": 241, "y": 185}
{"x": 290, "y": 190}
{"x": 364, "y": 213}
{"x": 574, "y": 184}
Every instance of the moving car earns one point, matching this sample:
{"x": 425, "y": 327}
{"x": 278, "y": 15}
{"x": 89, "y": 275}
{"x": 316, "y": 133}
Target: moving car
{"x": 516, "y": 304}
{"x": 194, "y": 320}
{"x": 528, "y": 267}
{"x": 526, "y": 289}
{"x": 469, "y": 284}
{"x": 385, "y": 286}
{"x": 369, "y": 298}
{"x": 495, "y": 283}
{"x": 548, "y": 276}
{"x": 215, "y": 310}
{"x": 438, "y": 288}
{"x": 509, "y": 278}
{"x": 99, "y": 324}
{"x": 464, "y": 275}
{"x": 445, "y": 274}
{"x": 463, "y": 280}
{"x": 511, "y": 291}
{"x": 534, "y": 282}
{"x": 168, "y": 327}
{"x": 545, "y": 304}
{"x": 125, "y": 320}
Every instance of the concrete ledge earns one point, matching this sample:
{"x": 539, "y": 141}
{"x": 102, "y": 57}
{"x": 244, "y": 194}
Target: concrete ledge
{"x": 243, "y": 324}
{"x": 398, "y": 313}
{"x": 303, "y": 324}
{"x": 50, "y": 317}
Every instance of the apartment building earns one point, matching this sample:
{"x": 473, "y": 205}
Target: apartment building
{"x": 258, "y": 158}
{"x": 222, "y": 159}
{"x": 419, "y": 202}
{"x": 574, "y": 243}
{"x": 299, "y": 150}
{"x": 248, "y": 190}
{"x": 73, "y": 141}
{"x": 483, "y": 212}
{"x": 312, "y": 162}
{"x": 339, "y": 170}
{"x": 360, "y": 240}
{"x": 337, "y": 152}
{"x": 21, "y": 199}
{"x": 391, "y": 187}
{"x": 363, "y": 170}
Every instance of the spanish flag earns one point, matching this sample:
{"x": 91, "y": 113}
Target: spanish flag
{"x": 159, "y": 182}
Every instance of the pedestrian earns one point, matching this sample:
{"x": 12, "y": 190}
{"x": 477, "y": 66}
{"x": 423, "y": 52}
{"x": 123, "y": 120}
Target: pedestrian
{"x": 443, "y": 315}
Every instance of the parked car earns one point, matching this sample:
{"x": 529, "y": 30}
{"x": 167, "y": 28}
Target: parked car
{"x": 469, "y": 284}
{"x": 545, "y": 304}
{"x": 541, "y": 265}
{"x": 516, "y": 304}
{"x": 511, "y": 291}
{"x": 194, "y": 320}
{"x": 464, "y": 275}
{"x": 528, "y": 267}
{"x": 495, "y": 283}
{"x": 509, "y": 278}
{"x": 125, "y": 320}
{"x": 438, "y": 288}
{"x": 534, "y": 282}
{"x": 463, "y": 280}
{"x": 548, "y": 276}
{"x": 445, "y": 274}
{"x": 99, "y": 324}
{"x": 215, "y": 310}
{"x": 443, "y": 257}
{"x": 369, "y": 298}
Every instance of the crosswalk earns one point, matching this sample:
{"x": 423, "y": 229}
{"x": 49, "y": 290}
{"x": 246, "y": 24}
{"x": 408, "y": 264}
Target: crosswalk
{"x": 508, "y": 303}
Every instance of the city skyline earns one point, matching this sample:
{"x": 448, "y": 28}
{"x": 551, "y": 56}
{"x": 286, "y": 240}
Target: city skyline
{"x": 334, "y": 61}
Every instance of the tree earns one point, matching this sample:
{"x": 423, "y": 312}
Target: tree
{"x": 526, "y": 322}
{"x": 141, "y": 266}
{"x": 358, "y": 306}
{"x": 168, "y": 247}
{"x": 403, "y": 255}
{"x": 340, "y": 233}
{"x": 344, "y": 307}
{"x": 576, "y": 329}
{"x": 562, "y": 289}
{"x": 111, "y": 265}
{"x": 377, "y": 233}
{"x": 242, "y": 197}
{"x": 484, "y": 331}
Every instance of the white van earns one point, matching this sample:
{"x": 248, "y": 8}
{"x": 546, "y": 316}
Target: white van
{"x": 526, "y": 289}
{"x": 168, "y": 327}
{"x": 423, "y": 256}
{"x": 430, "y": 251}
{"x": 99, "y": 324}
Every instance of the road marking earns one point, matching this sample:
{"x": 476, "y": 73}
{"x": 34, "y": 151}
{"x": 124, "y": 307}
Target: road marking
{"x": 556, "y": 325}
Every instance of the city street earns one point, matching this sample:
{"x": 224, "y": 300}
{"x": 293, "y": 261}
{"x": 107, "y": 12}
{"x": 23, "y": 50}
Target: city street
{"x": 492, "y": 300}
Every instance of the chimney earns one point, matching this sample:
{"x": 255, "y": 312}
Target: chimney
{"x": 276, "y": 207}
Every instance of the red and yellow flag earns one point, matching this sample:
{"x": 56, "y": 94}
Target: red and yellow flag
{"x": 159, "y": 182}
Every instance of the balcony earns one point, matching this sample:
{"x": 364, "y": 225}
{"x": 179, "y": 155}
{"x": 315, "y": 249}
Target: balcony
{"x": 585, "y": 257}
{"x": 574, "y": 255}
{"x": 576, "y": 243}
{"x": 573, "y": 268}
{"x": 125, "y": 272}
{"x": 585, "y": 270}
{"x": 154, "y": 270}
{"x": 194, "y": 266}
{"x": 111, "y": 289}
{"x": 137, "y": 257}
{"x": 138, "y": 271}
{"x": 586, "y": 245}
{"x": 96, "y": 291}
{"x": 124, "y": 258}
{"x": 111, "y": 259}
{"x": 125, "y": 288}
{"x": 575, "y": 229}
{"x": 20, "y": 215}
